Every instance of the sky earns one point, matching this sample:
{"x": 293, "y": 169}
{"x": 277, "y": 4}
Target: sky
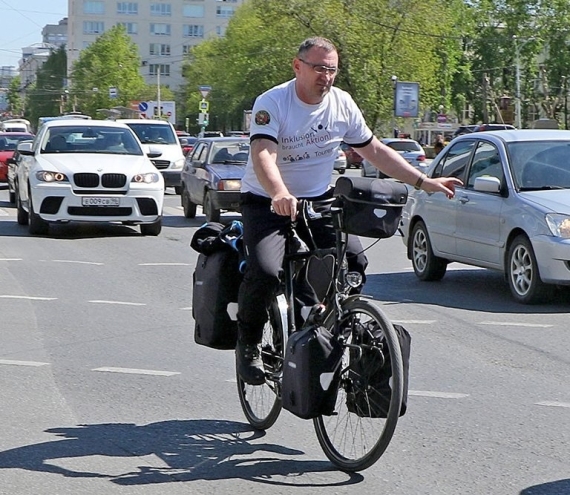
{"x": 21, "y": 24}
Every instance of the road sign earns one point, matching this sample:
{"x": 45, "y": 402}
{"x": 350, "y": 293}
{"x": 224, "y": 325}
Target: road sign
{"x": 143, "y": 106}
{"x": 112, "y": 92}
{"x": 203, "y": 118}
{"x": 205, "y": 90}
{"x": 204, "y": 106}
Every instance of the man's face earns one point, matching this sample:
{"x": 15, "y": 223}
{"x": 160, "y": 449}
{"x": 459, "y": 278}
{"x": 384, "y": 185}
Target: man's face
{"x": 315, "y": 73}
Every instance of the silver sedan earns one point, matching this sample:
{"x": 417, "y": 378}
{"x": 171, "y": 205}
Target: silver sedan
{"x": 511, "y": 215}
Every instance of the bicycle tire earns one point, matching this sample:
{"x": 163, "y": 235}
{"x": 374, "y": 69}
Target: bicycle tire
{"x": 261, "y": 404}
{"x": 352, "y": 442}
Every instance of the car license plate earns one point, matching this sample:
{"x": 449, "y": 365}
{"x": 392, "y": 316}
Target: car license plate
{"x": 93, "y": 201}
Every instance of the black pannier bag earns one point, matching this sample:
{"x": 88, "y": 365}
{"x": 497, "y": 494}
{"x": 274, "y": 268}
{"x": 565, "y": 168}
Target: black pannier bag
{"x": 216, "y": 282}
{"x": 311, "y": 372}
{"x": 371, "y": 207}
{"x": 371, "y": 391}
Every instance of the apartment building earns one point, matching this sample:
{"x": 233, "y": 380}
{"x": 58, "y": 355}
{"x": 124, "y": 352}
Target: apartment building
{"x": 163, "y": 30}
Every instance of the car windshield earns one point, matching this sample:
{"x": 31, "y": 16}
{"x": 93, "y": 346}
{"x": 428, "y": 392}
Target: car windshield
{"x": 537, "y": 165}
{"x": 230, "y": 152}
{"x": 404, "y": 146}
{"x": 150, "y": 133}
{"x": 10, "y": 143}
{"x": 90, "y": 139}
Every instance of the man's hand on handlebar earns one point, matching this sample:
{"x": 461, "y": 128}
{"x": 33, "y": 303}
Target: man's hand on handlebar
{"x": 285, "y": 205}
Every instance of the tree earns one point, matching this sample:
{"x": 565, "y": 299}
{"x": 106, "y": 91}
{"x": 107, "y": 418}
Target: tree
{"x": 112, "y": 61}
{"x": 14, "y": 97}
{"x": 48, "y": 97}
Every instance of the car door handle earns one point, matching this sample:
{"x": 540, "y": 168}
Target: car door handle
{"x": 463, "y": 199}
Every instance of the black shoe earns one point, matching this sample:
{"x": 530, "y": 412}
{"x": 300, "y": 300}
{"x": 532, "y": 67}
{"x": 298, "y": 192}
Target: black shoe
{"x": 249, "y": 364}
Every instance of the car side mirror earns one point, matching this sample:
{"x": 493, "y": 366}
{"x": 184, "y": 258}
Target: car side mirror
{"x": 25, "y": 149}
{"x": 153, "y": 153}
{"x": 487, "y": 183}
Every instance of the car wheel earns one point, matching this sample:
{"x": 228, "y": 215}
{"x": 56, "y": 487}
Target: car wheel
{"x": 427, "y": 266}
{"x": 187, "y": 205}
{"x": 151, "y": 228}
{"x": 178, "y": 190}
{"x": 37, "y": 225}
{"x": 212, "y": 213}
{"x": 22, "y": 215}
{"x": 523, "y": 274}
{"x": 12, "y": 197}
{"x": 342, "y": 171}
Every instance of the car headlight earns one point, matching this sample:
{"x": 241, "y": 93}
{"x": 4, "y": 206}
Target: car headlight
{"x": 148, "y": 178}
{"x": 559, "y": 225}
{"x": 229, "y": 185}
{"x": 47, "y": 176}
{"x": 178, "y": 164}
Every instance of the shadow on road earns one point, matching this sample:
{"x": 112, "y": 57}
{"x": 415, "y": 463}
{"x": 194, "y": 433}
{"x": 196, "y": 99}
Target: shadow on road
{"x": 189, "y": 450}
{"x": 560, "y": 487}
{"x": 470, "y": 289}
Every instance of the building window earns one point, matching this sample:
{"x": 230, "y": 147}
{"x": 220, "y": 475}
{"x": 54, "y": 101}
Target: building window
{"x": 130, "y": 27}
{"x": 129, "y": 8}
{"x": 193, "y": 11}
{"x": 160, "y": 9}
{"x": 160, "y": 29}
{"x": 93, "y": 27}
{"x": 93, "y": 7}
{"x": 193, "y": 31}
{"x": 159, "y": 49}
{"x": 186, "y": 49}
{"x": 223, "y": 11}
{"x": 220, "y": 30}
{"x": 163, "y": 68}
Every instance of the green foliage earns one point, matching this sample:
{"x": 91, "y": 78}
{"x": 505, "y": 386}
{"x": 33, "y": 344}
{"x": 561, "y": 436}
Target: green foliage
{"x": 14, "y": 98}
{"x": 48, "y": 97}
{"x": 111, "y": 61}
{"x": 376, "y": 39}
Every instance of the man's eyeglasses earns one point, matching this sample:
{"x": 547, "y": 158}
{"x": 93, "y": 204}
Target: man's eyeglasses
{"x": 321, "y": 69}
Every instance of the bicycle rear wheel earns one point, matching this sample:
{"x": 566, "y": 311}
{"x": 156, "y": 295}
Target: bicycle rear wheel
{"x": 350, "y": 438}
{"x": 261, "y": 404}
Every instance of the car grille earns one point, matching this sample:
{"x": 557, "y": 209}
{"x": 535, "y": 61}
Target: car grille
{"x": 161, "y": 164}
{"x": 97, "y": 211}
{"x": 91, "y": 180}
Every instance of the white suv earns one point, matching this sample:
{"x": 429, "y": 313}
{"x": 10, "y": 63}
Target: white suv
{"x": 161, "y": 136}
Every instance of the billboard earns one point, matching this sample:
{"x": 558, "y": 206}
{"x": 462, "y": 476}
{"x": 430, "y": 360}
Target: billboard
{"x": 407, "y": 99}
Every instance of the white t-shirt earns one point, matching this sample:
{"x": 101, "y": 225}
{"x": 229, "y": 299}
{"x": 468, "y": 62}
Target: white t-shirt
{"x": 307, "y": 137}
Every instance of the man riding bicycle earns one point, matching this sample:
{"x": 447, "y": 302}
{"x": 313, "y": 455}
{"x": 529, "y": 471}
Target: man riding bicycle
{"x": 295, "y": 131}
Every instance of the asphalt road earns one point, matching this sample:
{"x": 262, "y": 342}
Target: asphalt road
{"x": 103, "y": 390}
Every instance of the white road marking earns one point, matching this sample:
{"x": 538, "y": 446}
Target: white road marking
{"x": 421, "y": 322}
{"x": 134, "y": 371}
{"x": 117, "y": 302}
{"x": 4, "y": 213}
{"x": 189, "y": 308}
{"x": 553, "y": 403}
{"x": 31, "y": 298}
{"x": 10, "y": 259}
{"x": 515, "y": 324}
{"x": 22, "y": 363}
{"x": 440, "y": 395}
{"x": 165, "y": 264}
{"x": 78, "y": 262}
{"x": 172, "y": 210}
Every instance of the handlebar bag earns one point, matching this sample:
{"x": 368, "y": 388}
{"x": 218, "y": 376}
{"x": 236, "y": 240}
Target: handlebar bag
{"x": 370, "y": 207}
{"x": 311, "y": 372}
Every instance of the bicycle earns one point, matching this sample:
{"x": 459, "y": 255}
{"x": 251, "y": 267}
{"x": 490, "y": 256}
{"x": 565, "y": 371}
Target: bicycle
{"x": 349, "y": 439}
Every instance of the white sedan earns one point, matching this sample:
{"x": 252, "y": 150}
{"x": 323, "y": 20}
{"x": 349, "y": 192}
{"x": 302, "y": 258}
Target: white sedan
{"x": 88, "y": 171}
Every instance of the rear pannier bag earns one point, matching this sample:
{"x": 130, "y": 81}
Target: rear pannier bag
{"x": 371, "y": 392}
{"x": 311, "y": 372}
{"x": 371, "y": 207}
{"x": 216, "y": 282}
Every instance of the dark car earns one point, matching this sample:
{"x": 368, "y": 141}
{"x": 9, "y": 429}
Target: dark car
{"x": 353, "y": 159}
{"x": 187, "y": 143}
{"x": 464, "y": 129}
{"x": 212, "y": 175}
{"x": 493, "y": 127}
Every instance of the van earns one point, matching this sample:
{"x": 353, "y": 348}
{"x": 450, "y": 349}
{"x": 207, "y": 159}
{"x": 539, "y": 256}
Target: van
{"x": 161, "y": 136}
{"x": 15, "y": 125}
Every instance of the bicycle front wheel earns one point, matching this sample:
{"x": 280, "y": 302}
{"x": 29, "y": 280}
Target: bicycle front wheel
{"x": 261, "y": 404}
{"x": 358, "y": 432}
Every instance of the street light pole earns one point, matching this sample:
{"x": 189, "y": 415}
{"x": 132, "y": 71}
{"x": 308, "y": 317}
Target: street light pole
{"x": 518, "y": 47}
{"x": 394, "y": 86}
